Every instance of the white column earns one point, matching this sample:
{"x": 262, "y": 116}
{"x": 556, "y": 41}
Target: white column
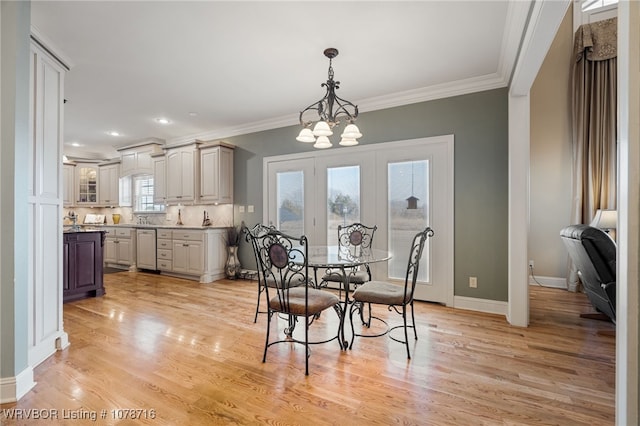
{"x": 628, "y": 296}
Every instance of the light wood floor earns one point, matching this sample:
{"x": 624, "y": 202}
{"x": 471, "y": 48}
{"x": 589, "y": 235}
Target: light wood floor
{"x": 192, "y": 353}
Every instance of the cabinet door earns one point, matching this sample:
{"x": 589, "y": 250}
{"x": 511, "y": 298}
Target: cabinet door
{"x": 87, "y": 184}
{"x": 159, "y": 180}
{"x": 110, "y": 250}
{"x": 180, "y": 256}
{"x": 195, "y": 257}
{"x": 125, "y": 251}
{"x": 109, "y": 185}
{"x": 180, "y": 177}
{"x": 68, "y": 189}
{"x": 210, "y": 175}
{"x": 216, "y": 175}
{"x": 226, "y": 176}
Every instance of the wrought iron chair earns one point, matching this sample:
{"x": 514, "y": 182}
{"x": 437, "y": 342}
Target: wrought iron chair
{"x": 250, "y": 236}
{"x": 396, "y": 297}
{"x": 354, "y": 238}
{"x": 284, "y": 261}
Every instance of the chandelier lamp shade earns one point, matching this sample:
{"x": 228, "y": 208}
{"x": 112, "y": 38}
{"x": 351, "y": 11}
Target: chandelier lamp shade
{"x": 330, "y": 110}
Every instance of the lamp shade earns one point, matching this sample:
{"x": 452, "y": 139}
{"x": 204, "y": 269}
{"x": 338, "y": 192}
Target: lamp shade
{"x": 351, "y": 131}
{"x": 322, "y": 142}
{"x": 605, "y": 219}
{"x": 322, "y": 129}
{"x": 348, "y": 142}
{"x": 306, "y": 135}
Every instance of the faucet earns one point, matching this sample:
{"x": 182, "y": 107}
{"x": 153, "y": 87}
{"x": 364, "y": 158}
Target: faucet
{"x": 74, "y": 221}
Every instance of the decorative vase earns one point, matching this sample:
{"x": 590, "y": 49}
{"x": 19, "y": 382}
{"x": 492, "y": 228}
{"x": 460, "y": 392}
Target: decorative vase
{"x": 232, "y": 267}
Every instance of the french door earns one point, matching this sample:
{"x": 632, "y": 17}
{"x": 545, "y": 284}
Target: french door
{"x": 290, "y": 206}
{"x": 400, "y": 187}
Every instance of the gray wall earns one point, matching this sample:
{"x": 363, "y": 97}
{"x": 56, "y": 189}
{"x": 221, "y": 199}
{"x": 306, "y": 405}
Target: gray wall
{"x": 14, "y": 160}
{"x": 479, "y": 124}
{"x": 551, "y": 156}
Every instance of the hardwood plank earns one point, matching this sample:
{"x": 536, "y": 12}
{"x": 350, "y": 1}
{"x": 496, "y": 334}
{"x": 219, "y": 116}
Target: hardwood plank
{"x": 192, "y": 353}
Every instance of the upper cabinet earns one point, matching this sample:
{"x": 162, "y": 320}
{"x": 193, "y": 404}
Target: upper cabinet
{"x": 159, "y": 179}
{"x": 216, "y": 174}
{"x": 109, "y": 184}
{"x": 136, "y": 159}
{"x": 69, "y": 185}
{"x": 181, "y": 173}
{"x": 86, "y": 184}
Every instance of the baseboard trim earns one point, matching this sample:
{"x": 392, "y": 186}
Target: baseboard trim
{"x": 14, "y": 388}
{"x": 554, "y": 282}
{"x": 480, "y": 305}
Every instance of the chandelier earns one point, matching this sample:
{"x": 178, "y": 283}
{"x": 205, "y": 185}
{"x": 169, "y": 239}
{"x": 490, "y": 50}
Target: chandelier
{"x": 330, "y": 109}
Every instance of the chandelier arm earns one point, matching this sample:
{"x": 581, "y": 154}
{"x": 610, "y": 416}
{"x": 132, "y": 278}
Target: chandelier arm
{"x": 342, "y": 110}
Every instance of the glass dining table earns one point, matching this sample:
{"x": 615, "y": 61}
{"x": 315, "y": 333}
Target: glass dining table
{"x": 342, "y": 259}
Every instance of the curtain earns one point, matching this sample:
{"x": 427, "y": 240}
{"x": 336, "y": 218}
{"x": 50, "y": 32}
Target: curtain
{"x": 594, "y": 122}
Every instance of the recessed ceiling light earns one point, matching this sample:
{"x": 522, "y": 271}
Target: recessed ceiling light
{"x": 163, "y": 120}
{"x": 193, "y": 113}
{"x": 75, "y": 144}
{"x": 113, "y": 133}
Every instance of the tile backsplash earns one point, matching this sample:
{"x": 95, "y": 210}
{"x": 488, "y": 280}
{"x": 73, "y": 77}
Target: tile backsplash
{"x": 220, "y": 215}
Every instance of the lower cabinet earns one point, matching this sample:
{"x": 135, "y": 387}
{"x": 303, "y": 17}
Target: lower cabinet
{"x": 120, "y": 248}
{"x": 191, "y": 253}
{"x": 82, "y": 265}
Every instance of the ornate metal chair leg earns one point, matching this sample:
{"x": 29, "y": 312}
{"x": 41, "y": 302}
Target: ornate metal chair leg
{"x": 255, "y": 319}
{"x": 413, "y": 320}
{"x": 266, "y": 344}
{"x": 406, "y": 337}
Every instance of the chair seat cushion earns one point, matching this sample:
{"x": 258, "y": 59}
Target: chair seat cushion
{"x": 355, "y": 277}
{"x": 381, "y": 292}
{"x": 319, "y": 300}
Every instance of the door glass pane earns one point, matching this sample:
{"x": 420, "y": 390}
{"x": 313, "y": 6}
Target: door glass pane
{"x": 408, "y": 188}
{"x": 343, "y": 203}
{"x": 290, "y": 202}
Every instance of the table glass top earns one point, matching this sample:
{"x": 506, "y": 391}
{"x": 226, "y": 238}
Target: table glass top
{"x": 336, "y": 256}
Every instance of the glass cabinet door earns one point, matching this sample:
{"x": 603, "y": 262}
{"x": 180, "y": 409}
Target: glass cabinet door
{"x": 87, "y": 184}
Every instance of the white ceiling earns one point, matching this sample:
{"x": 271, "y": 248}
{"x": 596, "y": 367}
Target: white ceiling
{"x": 249, "y": 66}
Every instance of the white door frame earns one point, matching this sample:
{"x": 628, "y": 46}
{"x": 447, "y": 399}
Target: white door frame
{"x": 446, "y": 234}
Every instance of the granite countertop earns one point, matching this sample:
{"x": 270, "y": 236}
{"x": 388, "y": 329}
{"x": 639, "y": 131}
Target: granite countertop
{"x": 146, "y": 226}
{"x": 70, "y": 230}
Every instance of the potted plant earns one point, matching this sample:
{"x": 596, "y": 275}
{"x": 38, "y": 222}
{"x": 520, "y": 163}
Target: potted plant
{"x": 232, "y": 267}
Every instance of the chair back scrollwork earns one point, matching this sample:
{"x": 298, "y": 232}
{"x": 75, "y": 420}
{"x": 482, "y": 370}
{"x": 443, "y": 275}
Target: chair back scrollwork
{"x": 413, "y": 265}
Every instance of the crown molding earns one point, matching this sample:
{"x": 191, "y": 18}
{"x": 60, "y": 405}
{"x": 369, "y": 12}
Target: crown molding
{"x": 461, "y": 87}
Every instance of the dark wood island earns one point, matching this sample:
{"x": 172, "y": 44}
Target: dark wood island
{"x": 82, "y": 264}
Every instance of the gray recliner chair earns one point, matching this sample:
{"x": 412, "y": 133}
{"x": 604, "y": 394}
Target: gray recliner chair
{"x": 593, "y": 253}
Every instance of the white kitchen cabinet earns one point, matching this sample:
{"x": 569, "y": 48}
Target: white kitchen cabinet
{"x": 164, "y": 250}
{"x": 216, "y": 174}
{"x": 188, "y": 257}
{"x": 68, "y": 185}
{"x": 159, "y": 179}
{"x": 136, "y": 159}
{"x": 109, "y": 184}
{"x": 120, "y": 247}
{"x": 86, "y": 184}
{"x": 146, "y": 249}
{"x": 192, "y": 253}
{"x": 182, "y": 174}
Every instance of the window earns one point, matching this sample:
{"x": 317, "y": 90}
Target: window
{"x": 143, "y": 195}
